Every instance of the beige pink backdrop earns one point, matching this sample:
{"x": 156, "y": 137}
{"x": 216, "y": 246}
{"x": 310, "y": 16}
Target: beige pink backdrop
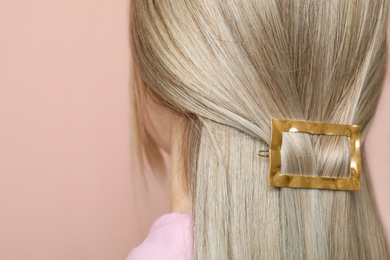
{"x": 65, "y": 165}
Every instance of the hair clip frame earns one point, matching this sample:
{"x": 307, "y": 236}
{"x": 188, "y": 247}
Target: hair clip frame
{"x": 276, "y": 179}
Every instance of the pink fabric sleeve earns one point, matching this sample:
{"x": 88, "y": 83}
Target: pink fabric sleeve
{"x": 170, "y": 237}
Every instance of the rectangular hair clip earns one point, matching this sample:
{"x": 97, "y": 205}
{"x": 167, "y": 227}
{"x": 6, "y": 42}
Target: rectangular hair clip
{"x": 276, "y": 179}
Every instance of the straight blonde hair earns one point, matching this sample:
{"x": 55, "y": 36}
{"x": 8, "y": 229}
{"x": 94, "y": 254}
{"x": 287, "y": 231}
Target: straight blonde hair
{"x": 228, "y": 67}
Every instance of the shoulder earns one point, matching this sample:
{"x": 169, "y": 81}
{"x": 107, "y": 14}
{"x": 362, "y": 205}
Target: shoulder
{"x": 170, "y": 237}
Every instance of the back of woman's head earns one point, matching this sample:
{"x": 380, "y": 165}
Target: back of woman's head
{"x": 228, "y": 67}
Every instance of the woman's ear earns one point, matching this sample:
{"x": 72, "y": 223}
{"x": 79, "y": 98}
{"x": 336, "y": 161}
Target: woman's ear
{"x": 161, "y": 123}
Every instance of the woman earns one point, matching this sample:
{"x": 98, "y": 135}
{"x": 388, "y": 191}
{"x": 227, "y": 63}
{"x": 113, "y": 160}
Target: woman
{"x": 220, "y": 71}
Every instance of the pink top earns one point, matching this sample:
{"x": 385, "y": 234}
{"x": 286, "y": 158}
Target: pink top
{"x": 170, "y": 237}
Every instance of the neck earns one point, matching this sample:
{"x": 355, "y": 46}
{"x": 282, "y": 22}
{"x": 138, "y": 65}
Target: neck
{"x": 179, "y": 193}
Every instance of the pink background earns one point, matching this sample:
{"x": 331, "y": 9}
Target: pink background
{"x": 65, "y": 163}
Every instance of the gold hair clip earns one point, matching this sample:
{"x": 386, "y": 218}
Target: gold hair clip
{"x": 276, "y": 179}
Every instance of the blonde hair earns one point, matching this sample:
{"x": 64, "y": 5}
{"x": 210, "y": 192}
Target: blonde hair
{"x": 228, "y": 67}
